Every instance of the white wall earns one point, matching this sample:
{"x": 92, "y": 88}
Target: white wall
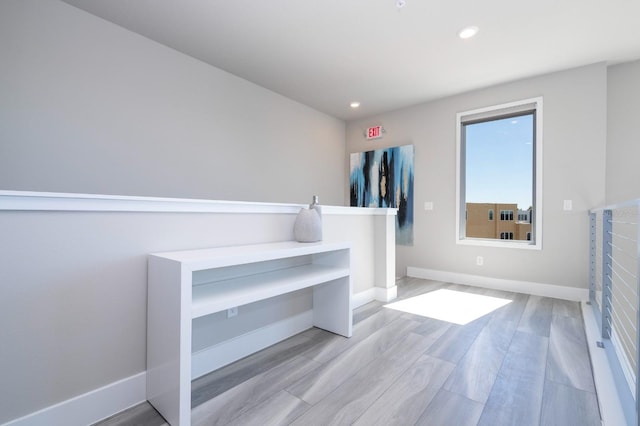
{"x": 573, "y": 168}
{"x": 89, "y": 107}
{"x": 623, "y": 132}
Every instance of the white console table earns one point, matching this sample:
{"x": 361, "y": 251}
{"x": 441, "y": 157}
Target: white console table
{"x": 185, "y": 285}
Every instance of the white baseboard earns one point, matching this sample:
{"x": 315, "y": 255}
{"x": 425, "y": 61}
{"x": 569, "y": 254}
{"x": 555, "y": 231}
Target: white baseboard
{"x": 90, "y": 407}
{"x": 375, "y": 293}
{"x": 608, "y": 398}
{"x": 625, "y": 366}
{"x": 210, "y": 359}
{"x": 538, "y": 289}
{"x": 363, "y": 298}
{"x": 386, "y": 294}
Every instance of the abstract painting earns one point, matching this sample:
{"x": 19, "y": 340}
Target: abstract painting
{"x": 384, "y": 178}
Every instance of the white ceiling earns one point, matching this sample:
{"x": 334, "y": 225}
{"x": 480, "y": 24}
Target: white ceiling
{"x": 327, "y": 53}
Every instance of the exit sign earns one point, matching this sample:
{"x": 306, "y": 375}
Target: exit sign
{"x": 374, "y": 132}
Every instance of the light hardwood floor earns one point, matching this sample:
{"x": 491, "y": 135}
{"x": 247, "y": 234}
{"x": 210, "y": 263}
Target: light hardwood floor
{"x": 526, "y": 363}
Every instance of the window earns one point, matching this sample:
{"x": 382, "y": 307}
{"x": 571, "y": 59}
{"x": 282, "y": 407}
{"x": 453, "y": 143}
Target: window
{"x": 506, "y": 214}
{"x": 499, "y": 159}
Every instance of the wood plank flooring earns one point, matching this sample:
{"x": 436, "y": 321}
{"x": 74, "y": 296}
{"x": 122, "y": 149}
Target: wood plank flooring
{"x": 526, "y": 363}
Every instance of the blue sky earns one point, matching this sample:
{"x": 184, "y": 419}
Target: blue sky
{"x": 499, "y": 162}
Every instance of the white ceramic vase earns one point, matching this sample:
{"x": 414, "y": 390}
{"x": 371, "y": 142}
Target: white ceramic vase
{"x": 308, "y": 225}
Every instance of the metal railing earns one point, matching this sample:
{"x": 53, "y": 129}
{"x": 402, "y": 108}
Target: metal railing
{"x": 614, "y": 294}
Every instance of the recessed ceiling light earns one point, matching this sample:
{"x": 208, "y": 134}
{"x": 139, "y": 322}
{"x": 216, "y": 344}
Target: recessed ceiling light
{"x": 468, "y": 32}
{"x": 354, "y": 104}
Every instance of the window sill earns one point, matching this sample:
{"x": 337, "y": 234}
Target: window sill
{"x": 514, "y": 244}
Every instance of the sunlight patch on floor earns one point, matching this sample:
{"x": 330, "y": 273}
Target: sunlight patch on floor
{"x": 448, "y": 305}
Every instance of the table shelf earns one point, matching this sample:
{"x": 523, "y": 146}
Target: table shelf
{"x": 218, "y": 296}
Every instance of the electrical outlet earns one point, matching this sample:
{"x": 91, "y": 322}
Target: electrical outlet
{"x": 232, "y": 312}
{"x": 428, "y": 205}
{"x": 479, "y": 260}
{"x": 567, "y": 205}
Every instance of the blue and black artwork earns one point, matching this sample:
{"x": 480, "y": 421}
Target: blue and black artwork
{"x": 384, "y": 178}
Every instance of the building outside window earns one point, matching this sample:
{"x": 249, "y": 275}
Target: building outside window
{"x": 506, "y": 214}
{"x": 524, "y": 215}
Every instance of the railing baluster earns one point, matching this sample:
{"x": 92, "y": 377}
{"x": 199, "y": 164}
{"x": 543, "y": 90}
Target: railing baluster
{"x": 606, "y": 280}
{"x": 592, "y": 256}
